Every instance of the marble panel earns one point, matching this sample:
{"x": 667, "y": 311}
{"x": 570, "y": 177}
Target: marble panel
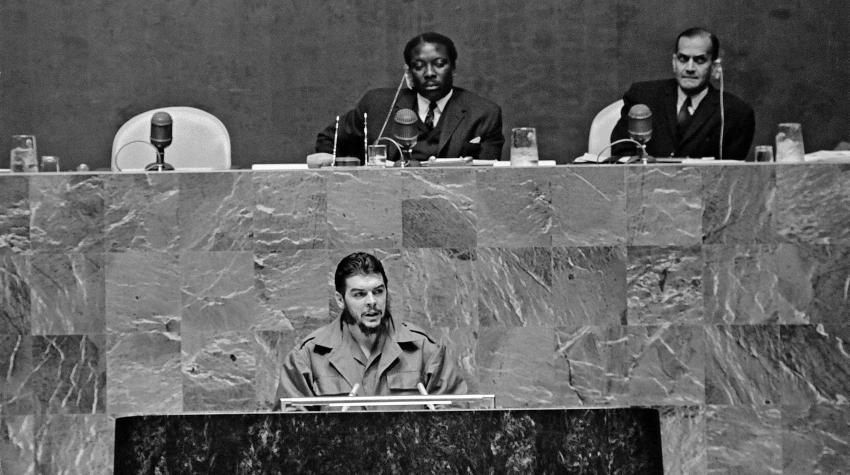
{"x": 439, "y": 287}
{"x": 67, "y": 213}
{"x": 663, "y": 206}
{"x": 142, "y": 292}
{"x": 218, "y": 371}
{"x": 739, "y": 202}
{"x": 815, "y": 364}
{"x": 143, "y": 372}
{"x": 14, "y": 294}
{"x": 813, "y": 203}
{"x": 291, "y": 210}
{"x": 215, "y": 211}
{"x": 664, "y": 284}
{"x": 292, "y": 287}
{"x": 16, "y": 370}
{"x": 140, "y": 212}
{"x": 69, "y": 374}
{"x": 514, "y": 207}
{"x": 666, "y": 364}
{"x": 744, "y": 439}
{"x": 781, "y": 283}
{"x": 683, "y": 439}
{"x": 515, "y": 287}
{"x": 67, "y": 293}
{"x": 742, "y": 365}
{"x": 17, "y": 445}
{"x": 14, "y": 214}
{"x": 615, "y": 441}
{"x": 438, "y": 208}
{"x": 364, "y": 209}
{"x": 218, "y": 292}
{"x": 589, "y": 206}
{"x": 589, "y": 286}
{"x": 591, "y": 366}
{"x": 815, "y": 439}
{"x": 74, "y": 444}
{"x": 271, "y": 349}
{"x": 518, "y": 365}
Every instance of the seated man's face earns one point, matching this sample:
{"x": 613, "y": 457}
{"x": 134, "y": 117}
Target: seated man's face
{"x": 431, "y": 70}
{"x": 365, "y": 300}
{"x": 692, "y": 64}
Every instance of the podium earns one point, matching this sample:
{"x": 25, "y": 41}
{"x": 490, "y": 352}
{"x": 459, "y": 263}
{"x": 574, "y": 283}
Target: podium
{"x": 618, "y": 440}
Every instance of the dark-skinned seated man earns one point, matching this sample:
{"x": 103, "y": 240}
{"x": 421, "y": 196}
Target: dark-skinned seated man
{"x": 452, "y": 122}
{"x": 365, "y": 351}
{"x": 686, "y": 114}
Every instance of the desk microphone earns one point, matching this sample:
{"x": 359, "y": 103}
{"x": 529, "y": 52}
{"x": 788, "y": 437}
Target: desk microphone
{"x": 640, "y": 123}
{"x": 160, "y": 138}
{"x": 406, "y": 131}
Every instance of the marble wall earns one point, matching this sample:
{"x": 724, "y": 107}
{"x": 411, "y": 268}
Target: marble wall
{"x": 718, "y": 294}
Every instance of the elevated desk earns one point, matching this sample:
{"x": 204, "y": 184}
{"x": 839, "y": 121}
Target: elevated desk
{"x": 611, "y": 441}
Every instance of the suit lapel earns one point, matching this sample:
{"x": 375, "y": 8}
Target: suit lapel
{"x": 452, "y": 116}
{"x": 702, "y": 115}
{"x": 670, "y": 114}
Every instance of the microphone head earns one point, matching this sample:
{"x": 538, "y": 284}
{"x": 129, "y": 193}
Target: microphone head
{"x": 161, "y": 129}
{"x": 640, "y": 123}
{"x": 406, "y": 131}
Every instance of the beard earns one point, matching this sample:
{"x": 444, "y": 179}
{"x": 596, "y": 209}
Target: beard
{"x": 386, "y": 321}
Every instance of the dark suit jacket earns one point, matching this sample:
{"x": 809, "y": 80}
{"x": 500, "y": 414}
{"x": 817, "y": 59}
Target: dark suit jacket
{"x": 465, "y": 117}
{"x": 703, "y": 135}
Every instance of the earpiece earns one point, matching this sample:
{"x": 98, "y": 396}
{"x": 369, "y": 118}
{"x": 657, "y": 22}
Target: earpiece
{"x": 717, "y": 72}
{"x": 408, "y": 81}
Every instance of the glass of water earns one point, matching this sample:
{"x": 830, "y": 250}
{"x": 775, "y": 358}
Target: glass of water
{"x": 764, "y": 153}
{"x": 377, "y": 156}
{"x": 24, "y": 156}
{"x": 524, "y": 146}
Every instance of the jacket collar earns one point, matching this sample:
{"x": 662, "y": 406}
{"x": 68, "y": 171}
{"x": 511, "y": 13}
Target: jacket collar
{"x": 332, "y": 340}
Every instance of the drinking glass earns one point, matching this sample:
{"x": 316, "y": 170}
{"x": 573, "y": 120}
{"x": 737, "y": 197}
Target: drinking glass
{"x": 789, "y": 143}
{"x": 377, "y": 156}
{"x": 764, "y": 153}
{"x": 524, "y": 147}
{"x": 23, "y": 157}
{"x": 49, "y": 163}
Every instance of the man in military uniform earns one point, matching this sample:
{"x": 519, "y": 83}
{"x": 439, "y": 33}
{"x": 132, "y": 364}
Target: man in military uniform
{"x": 365, "y": 352}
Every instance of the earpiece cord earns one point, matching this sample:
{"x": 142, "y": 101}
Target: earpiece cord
{"x": 722, "y": 110}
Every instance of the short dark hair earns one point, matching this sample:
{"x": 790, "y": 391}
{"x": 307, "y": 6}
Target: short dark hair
{"x": 695, "y": 32}
{"x": 430, "y": 37}
{"x": 358, "y": 263}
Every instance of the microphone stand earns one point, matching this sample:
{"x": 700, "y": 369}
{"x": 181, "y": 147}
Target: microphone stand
{"x": 159, "y": 165}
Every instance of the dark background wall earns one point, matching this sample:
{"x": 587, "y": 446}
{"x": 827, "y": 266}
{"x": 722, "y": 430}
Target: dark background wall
{"x": 277, "y": 71}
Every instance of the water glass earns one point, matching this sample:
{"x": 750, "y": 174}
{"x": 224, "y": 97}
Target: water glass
{"x": 764, "y": 153}
{"x": 24, "y": 156}
{"x": 49, "y": 163}
{"x": 789, "y": 143}
{"x": 524, "y": 147}
{"x": 377, "y": 156}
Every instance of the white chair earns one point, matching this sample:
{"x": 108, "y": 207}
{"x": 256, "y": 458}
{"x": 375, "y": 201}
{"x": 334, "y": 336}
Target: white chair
{"x": 601, "y": 128}
{"x": 200, "y": 142}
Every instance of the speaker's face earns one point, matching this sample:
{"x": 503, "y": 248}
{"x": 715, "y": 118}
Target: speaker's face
{"x": 431, "y": 70}
{"x": 692, "y": 63}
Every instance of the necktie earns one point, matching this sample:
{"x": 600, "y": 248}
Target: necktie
{"x": 429, "y": 117}
{"x": 684, "y": 114}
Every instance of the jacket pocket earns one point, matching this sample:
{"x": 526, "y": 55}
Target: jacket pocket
{"x": 329, "y": 385}
{"x": 403, "y": 380}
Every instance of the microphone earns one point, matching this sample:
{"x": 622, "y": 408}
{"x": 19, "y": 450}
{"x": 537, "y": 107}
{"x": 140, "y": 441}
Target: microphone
{"x": 406, "y": 131}
{"x": 640, "y": 123}
{"x": 160, "y": 138}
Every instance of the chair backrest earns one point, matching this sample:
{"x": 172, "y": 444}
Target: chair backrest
{"x": 601, "y": 128}
{"x": 200, "y": 142}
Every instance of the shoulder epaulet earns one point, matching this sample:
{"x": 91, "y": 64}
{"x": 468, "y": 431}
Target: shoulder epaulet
{"x": 306, "y": 340}
{"x": 419, "y": 331}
